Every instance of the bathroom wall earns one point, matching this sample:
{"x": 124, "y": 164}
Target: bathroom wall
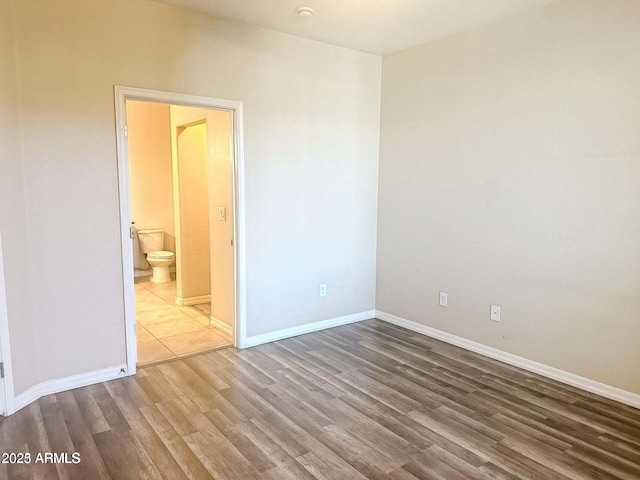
{"x": 13, "y": 215}
{"x": 150, "y": 170}
{"x": 220, "y": 194}
{"x": 510, "y": 175}
{"x": 311, "y": 117}
{"x": 190, "y": 156}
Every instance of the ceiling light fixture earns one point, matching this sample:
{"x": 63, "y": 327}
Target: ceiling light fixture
{"x": 305, "y": 12}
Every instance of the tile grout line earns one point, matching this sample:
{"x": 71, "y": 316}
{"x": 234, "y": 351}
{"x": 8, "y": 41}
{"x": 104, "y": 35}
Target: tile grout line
{"x": 197, "y": 317}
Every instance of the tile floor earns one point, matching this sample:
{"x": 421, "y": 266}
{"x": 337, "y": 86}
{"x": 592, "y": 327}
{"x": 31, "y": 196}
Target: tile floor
{"x": 166, "y": 331}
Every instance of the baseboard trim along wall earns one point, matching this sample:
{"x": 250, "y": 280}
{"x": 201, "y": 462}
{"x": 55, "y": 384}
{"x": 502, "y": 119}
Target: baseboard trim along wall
{"x": 220, "y": 325}
{"x": 587, "y": 384}
{"x": 68, "y": 383}
{"x": 185, "y": 302}
{"x": 82, "y": 380}
{"x": 97, "y": 376}
{"x": 308, "y": 328}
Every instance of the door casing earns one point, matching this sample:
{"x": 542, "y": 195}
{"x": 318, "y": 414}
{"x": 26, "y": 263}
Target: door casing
{"x": 7, "y": 397}
{"x": 122, "y": 94}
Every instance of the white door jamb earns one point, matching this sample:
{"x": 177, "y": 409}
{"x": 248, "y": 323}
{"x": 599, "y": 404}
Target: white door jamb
{"x": 122, "y": 94}
{"x": 5, "y": 349}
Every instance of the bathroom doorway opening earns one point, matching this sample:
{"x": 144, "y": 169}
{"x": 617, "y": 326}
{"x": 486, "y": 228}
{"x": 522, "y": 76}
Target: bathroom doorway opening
{"x": 182, "y": 216}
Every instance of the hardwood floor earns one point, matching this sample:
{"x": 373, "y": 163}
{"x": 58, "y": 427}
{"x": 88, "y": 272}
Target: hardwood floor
{"x": 366, "y": 400}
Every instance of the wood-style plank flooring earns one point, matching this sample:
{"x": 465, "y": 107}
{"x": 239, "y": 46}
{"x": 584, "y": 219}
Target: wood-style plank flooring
{"x": 366, "y": 400}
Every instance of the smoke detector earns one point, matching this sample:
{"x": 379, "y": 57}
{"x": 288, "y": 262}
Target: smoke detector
{"x": 305, "y": 12}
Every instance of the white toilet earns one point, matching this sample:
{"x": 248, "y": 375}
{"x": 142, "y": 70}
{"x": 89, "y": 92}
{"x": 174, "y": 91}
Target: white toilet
{"x": 151, "y": 244}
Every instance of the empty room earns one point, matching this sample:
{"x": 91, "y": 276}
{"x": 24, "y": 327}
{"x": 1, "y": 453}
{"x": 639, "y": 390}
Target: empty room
{"x": 319, "y": 239}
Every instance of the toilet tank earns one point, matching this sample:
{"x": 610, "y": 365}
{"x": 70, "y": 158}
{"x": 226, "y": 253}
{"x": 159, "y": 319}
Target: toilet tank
{"x": 151, "y": 240}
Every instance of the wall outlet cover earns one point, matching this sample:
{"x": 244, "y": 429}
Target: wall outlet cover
{"x": 443, "y": 299}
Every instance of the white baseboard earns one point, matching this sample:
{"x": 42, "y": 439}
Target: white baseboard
{"x": 308, "y": 328}
{"x": 68, "y": 383}
{"x": 220, "y": 325}
{"x": 574, "y": 380}
{"x": 185, "y": 302}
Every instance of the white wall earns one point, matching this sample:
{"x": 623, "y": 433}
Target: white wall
{"x": 510, "y": 174}
{"x": 13, "y": 224}
{"x": 311, "y": 148}
{"x": 150, "y": 169}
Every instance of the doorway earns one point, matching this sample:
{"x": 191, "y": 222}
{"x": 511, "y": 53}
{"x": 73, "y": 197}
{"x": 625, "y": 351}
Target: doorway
{"x": 204, "y": 296}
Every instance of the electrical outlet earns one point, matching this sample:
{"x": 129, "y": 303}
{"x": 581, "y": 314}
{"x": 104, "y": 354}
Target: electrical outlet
{"x": 495, "y": 313}
{"x": 323, "y": 289}
{"x": 443, "y": 299}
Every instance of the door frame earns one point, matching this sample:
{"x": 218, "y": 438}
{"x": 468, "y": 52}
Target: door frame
{"x": 122, "y": 94}
{"x": 5, "y": 348}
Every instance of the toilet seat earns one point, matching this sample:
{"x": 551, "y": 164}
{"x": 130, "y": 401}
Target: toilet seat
{"x": 160, "y": 255}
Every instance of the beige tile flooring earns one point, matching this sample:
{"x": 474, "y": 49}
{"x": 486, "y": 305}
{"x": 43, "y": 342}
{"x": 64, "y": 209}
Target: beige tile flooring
{"x": 166, "y": 331}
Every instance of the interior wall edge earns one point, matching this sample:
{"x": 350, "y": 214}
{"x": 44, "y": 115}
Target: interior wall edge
{"x": 14, "y": 219}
